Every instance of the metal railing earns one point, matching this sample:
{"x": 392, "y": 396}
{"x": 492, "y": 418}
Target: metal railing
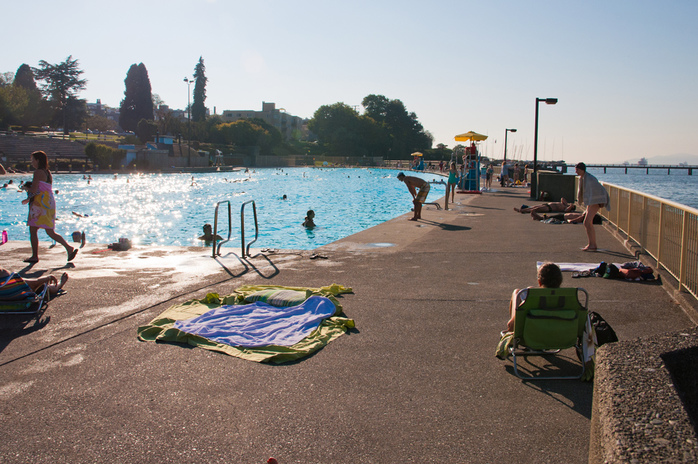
{"x": 246, "y": 247}
{"x": 665, "y": 230}
{"x": 217, "y": 251}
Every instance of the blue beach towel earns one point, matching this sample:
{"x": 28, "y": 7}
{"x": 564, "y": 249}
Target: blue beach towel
{"x": 260, "y": 324}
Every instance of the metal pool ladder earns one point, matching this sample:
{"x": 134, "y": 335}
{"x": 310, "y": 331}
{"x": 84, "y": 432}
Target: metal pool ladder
{"x": 246, "y": 247}
{"x": 215, "y": 229}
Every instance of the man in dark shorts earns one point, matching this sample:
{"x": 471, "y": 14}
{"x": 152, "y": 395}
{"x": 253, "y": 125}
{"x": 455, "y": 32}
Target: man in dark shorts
{"x": 414, "y": 183}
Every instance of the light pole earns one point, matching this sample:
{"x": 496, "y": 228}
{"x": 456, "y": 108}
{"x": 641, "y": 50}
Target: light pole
{"x": 189, "y": 82}
{"x": 506, "y": 132}
{"x": 534, "y": 179}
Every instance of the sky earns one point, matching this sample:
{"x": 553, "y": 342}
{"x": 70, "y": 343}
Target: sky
{"x": 625, "y": 72}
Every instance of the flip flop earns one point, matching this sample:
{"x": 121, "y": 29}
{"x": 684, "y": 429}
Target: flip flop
{"x": 72, "y": 254}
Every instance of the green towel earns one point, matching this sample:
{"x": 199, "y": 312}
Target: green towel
{"x": 162, "y": 328}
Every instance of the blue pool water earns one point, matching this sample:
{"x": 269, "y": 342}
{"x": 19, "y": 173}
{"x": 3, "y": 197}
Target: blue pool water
{"x": 170, "y": 209}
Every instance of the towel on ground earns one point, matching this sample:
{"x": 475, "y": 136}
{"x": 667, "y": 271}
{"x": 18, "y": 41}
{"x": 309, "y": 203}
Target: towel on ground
{"x": 164, "y": 327}
{"x": 572, "y": 266}
{"x": 260, "y": 324}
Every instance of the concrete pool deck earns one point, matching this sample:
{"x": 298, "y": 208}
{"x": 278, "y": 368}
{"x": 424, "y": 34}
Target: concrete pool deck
{"x": 416, "y": 381}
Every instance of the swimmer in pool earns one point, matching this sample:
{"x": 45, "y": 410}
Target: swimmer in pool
{"x": 308, "y": 223}
{"x": 208, "y": 234}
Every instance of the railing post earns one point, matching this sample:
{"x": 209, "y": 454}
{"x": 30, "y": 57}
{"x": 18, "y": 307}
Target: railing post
{"x": 660, "y": 235}
{"x": 684, "y": 250}
{"x": 215, "y": 229}
{"x": 246, "y": 247}
{"x": 643, "y": 225}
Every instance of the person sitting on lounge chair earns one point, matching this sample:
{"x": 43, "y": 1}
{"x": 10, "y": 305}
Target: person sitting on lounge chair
{"x": 54, "y": 285}
{"x": 561, "y": 206}
{"x": 549, "y": 276}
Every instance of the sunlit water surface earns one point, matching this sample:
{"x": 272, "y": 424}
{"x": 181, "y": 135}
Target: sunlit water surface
{"x": 170, "y": 209}
{"x": 678, "y": 186}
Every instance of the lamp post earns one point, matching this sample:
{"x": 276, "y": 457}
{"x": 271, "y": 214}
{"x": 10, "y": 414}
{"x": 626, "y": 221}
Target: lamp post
{"x": 506, "y": 132}
{"x": 534, "y": 179}
{"x": 189, "y": 82}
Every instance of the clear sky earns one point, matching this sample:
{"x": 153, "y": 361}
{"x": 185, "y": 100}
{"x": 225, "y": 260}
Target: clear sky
{"x": 625, "y": 71}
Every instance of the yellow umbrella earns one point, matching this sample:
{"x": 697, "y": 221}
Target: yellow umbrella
{"x": 474, "y": 136}
{"x": 416, "y": 153}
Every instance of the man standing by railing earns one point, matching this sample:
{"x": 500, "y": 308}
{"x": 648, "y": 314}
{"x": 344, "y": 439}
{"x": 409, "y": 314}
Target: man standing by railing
{"x": 594, "y": 196}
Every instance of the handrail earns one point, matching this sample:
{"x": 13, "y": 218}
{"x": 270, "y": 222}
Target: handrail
{"x": 242, "y": 227}
{"x": 215, "y": 252}
{"x": 665, "y": 230}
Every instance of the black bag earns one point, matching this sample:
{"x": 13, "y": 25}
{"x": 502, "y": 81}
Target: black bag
{"x": 604, "y": 332}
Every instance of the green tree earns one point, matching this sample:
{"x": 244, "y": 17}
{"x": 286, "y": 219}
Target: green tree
{"x": 198, "y": 109}
{"x": 138, "y": 99}
{"x": 336, "y": 127}
{"x": 24, "y": 77}
{"x": 146, "y": 130}
{"x": 405, "y": 132}
{"x": 61, "y": 84}
{"x": 242, "y": 133}
{"x": 103, "y": 155}
{"x": 342, "y": 132}
{"x": 100, "y": 123}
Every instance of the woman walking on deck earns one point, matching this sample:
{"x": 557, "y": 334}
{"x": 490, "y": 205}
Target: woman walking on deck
{"x": 42, "y": 208}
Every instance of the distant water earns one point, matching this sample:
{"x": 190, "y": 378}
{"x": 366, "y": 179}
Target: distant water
{"x": 677, "y": 186}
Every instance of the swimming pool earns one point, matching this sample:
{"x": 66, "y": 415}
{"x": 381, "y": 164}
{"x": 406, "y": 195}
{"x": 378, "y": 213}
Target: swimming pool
{"x": 170, "y": 209}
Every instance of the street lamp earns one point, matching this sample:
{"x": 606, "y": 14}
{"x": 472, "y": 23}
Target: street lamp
{"x": 534, "y": 179}
{"x": 506, "y": 132}
{"x": 189, "y": 83}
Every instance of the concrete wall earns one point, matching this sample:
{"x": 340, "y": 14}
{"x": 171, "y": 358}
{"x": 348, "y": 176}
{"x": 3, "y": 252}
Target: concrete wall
{"x": 557, "y": 185}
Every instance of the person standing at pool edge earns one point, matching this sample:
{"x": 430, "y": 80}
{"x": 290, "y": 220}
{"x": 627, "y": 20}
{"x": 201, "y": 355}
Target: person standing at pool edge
{"x": 414, "y": 183}
{"x": 594, "y": 196}
{"x": 42, "y": 208}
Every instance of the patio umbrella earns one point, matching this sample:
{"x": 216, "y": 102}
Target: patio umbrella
{"x": 474, "y": 136}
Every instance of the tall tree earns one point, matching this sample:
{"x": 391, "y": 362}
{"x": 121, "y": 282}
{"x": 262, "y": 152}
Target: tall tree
{"x": 24, "y": 77}
{"x": 61, "y": 84}
{"x": 138, "y": 99}
{"x": 20, "y": 101}
{"x": 405, "y": 131}
{"x": 198, "y": 109}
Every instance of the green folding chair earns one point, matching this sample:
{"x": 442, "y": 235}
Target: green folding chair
{"x": 548, "y": 321}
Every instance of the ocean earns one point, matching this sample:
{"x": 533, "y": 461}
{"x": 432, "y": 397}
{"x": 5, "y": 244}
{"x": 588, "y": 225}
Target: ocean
{"x": 677, "y": 186}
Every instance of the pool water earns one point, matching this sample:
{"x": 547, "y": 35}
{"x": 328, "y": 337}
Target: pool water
{"x": 170, "y": 209}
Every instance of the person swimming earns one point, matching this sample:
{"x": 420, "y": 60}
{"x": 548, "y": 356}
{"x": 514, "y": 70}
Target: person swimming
{"x": 208, "y": 234}
{"x": 308, "y": 223}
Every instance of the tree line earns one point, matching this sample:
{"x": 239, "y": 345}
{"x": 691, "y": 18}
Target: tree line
{"x": 47, "y": 95}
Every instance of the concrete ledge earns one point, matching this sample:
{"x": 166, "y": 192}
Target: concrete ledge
{"x": 638, "y": 414}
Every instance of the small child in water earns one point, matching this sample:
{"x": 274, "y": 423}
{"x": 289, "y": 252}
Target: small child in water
{"x": 308, "y": 223}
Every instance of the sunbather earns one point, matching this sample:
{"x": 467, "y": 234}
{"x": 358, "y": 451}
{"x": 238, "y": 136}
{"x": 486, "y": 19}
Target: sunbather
{"x": 561, "y": 206}
{"x": 572, "y": 218}
{"x": 549, "y": 276}
{"x": 54, "y": 285}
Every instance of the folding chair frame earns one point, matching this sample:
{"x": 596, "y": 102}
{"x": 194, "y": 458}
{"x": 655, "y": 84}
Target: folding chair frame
{"x": 34, "y": 306}
{"x": 518, "y": 349}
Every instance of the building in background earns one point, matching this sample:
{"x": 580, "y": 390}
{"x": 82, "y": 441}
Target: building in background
{"x": 290, "y": 126}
